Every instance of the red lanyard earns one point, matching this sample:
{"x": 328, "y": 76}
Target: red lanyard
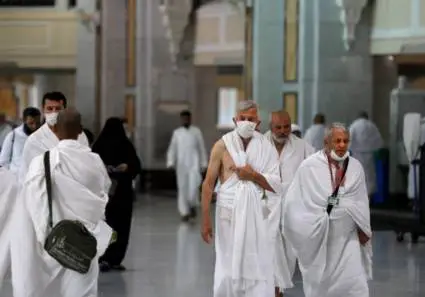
{"x": 333, "y": 180}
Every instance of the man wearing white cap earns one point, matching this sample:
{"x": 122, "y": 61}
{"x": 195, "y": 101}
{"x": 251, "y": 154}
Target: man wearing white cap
{"x": 296, "y": 130}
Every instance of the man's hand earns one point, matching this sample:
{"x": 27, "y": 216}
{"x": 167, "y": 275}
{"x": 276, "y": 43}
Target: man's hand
{"x": 206, "y": 229}
{"x": 122, "y": 168}
{"x": 363, "y": 238}
{"x": 244, "y": 173}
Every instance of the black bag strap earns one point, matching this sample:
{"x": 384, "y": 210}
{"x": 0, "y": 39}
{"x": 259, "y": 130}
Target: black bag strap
{"x": 335, "y": 192}
{"x": 13, "y": 144}
{"x": 48, "y": 185}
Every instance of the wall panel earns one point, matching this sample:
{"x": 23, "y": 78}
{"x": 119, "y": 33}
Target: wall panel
{"x": 290, "y": 104}
{"x": 291, "y": 40}
{"x": 38, "y": 39}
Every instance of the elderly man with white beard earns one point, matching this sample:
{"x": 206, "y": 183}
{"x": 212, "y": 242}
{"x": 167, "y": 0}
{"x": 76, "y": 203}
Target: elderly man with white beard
{"x": 247, "y": 165}
{"x": 327, "y": 221}
{"x": 292, "y": 151}
{"x": 79, "y": 191}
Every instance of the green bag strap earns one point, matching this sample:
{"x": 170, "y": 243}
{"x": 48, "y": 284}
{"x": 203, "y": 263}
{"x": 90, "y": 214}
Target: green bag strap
{"x": 48, "y": 185}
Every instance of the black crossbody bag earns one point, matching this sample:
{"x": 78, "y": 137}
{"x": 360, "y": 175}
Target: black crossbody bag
{"x": 335, "y": 192}
{"x": 69, "y": 242}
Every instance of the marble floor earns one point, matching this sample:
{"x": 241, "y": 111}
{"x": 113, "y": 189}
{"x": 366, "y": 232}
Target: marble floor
{"x": 168, "y": 259}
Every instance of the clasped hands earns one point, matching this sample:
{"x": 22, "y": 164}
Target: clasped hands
{"x": 244, "y": 173}
{"x": 363, "y": 238}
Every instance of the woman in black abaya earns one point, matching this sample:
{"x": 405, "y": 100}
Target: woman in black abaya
{"x": 120, "y": 158}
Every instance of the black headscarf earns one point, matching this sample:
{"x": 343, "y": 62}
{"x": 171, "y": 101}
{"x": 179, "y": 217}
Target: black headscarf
{"x": 112, "y": 145}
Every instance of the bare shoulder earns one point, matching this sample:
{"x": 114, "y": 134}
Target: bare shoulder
{"x": 218, "y": 148}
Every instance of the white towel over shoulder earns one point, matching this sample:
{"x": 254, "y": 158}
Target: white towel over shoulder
{"x": 331, "y": 259}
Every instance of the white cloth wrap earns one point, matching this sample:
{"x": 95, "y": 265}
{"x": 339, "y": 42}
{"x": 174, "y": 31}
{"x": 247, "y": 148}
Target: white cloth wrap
{"x": 79, "y": 186}
{"x": 8, "y": 192}
{"x": 249, "y": 231}
{"x": 327, "y": 247}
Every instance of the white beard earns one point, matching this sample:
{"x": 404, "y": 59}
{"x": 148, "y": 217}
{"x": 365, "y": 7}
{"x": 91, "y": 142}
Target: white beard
{"x": 280, "y": 140}
{"x": 337, "y": 158}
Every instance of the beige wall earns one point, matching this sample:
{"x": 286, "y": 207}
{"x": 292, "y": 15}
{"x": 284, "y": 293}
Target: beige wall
{"x": 38, "y": 39}
{"x": 219, "y": 35}
{"x": 397, "y": 26}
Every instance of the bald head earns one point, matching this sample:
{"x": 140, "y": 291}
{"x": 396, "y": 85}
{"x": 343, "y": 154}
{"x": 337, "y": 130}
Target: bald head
{"x": 69, "y": 124}
{"x": 279, "y": 116}
{"x": 280, "y": 125}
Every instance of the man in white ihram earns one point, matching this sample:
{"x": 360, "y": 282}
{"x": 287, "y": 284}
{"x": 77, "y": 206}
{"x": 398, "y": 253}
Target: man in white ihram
{"x": 13, "y": 145}
{"x": 365, "y": 140}
{"x": 314, "y": 135}
{"x": 330, "y": 232}
{"x": 5, "y": 128}
{"x": 247, "y": 165}
{"x": 187, "y": 155}
{"x": 45, "y": 138}
{"x": 8, "y": 192}
{"x": 80, "y": 187}
{"x": 292, "y": 151}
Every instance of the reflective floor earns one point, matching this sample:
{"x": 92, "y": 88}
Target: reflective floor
{"x": 168, "y": 259}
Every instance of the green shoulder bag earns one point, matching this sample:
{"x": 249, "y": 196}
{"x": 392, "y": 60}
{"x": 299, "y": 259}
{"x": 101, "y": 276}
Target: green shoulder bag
{"x": 69, "y": 242}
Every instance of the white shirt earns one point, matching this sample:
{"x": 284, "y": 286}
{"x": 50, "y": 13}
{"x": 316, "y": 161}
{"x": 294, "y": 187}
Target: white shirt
{"x": 39, "y": 142}
{"x": 365, "y": 136}
{"x": 4, "y": 130}
{"x": 315, "y": 136}
{"x": 187, "y": 149}
{"x": 13, "y": 145}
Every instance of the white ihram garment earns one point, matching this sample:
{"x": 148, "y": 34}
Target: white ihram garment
{"x": 11, "y": 152}
{"x": 284, "y": 260}
{"x": 188, "y": 156}
{"x": 8, "y": 192}
{"x": 315, "y": 136}
{"x": 411, "y": 188}
{"x": 330, "y": 257}
{"x": 365, "y": 140}
{"x": 39, "y": 142}
{"x": 79, "y": 186}
{"x": 243, "y": 255}
{"x": 4, "y": 130}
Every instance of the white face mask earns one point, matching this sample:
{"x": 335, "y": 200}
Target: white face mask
{"x": 245, "y": 129}
{"x": 279, "y": 140}
{"x": 51, "y": 118}
{"x": 337, "y": 158}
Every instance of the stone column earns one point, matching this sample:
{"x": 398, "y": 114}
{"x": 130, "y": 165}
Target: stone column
{"x": 268, "y": 56}
{"x": 62, "y": 5}
{"x": 337, "y": 66}
{"x": 39, "y": 87}
{"x": 113, "y": 73}
{"x": 85, "y": 81}
{"x": 145, "y": 118}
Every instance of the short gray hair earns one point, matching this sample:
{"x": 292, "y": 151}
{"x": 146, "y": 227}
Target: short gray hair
{"x": 245, "y": 105}
{"x": 330, "y": 129}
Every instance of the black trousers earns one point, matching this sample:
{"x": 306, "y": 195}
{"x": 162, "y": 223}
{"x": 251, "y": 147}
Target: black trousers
{"x": 118, "y": 216}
